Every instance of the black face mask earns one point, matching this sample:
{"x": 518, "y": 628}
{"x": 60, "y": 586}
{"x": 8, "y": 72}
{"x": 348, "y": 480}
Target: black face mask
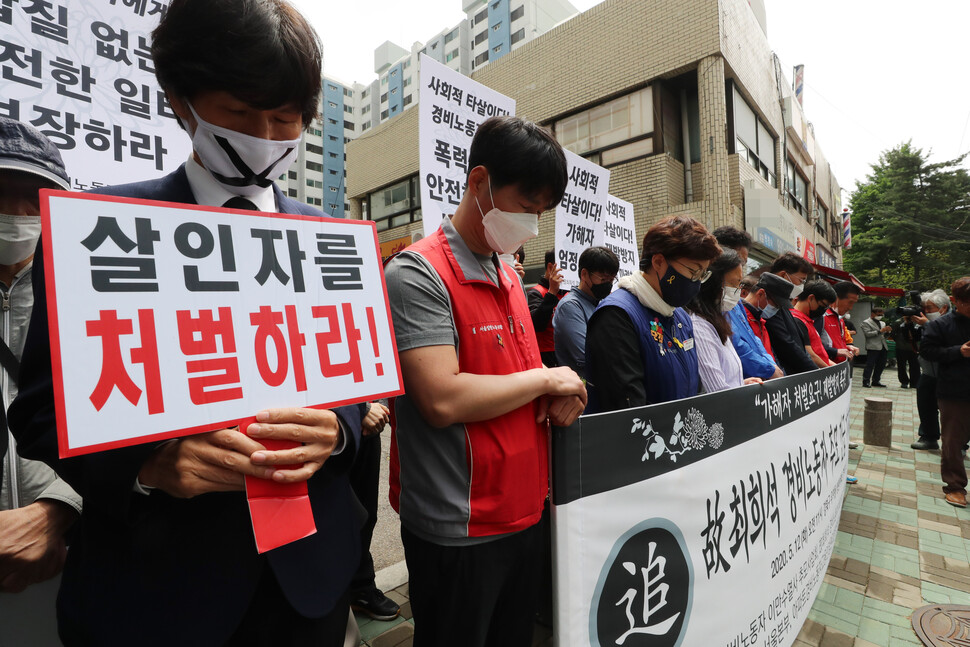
{"x": 676, "y": 289}
{"x": 601, "y": 290}
{"x": 817, "y": 312}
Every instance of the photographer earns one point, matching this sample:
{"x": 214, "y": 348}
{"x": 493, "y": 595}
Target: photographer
{"x": 906, "y": 333}
{"x": 935, "y": 305}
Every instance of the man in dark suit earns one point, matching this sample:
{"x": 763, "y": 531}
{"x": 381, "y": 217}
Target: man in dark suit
{"x": 165, "y": 553}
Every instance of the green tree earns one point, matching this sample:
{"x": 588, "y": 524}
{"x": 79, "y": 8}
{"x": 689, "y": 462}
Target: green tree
{"x": 911, "y": 222}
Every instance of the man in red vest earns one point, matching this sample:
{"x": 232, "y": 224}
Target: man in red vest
{"x": 469, "y": 465}
{"x": 839, "y": 349}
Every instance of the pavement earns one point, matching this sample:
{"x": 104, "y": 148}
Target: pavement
{"x": 899, "y": 546}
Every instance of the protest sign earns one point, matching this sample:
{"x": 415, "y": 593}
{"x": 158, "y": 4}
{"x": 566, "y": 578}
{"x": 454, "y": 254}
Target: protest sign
{"x": 579, "y": 216}
{"x": 170, "y": 319}
{"x": 620, "y": 235}
{"x": 82, "y": 74}
{"x": 451, "y": 108}
{"x": 704, "y": 521}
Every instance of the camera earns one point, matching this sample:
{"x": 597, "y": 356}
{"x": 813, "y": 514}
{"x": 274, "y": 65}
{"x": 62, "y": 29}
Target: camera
{"x": 915, "y": 309}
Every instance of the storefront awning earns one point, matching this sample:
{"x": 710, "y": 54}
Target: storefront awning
{"x": 833, "y": 275}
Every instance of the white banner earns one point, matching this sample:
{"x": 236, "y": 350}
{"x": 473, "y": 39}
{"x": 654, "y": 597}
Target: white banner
{"x": 82, "y": 74}
{"x": 169, "y": 319}
{"x": 706, "y": 521}
{"x": 620, "y": 235}
{"x": 579, "y": 217}
{"x": 451, "y": 108}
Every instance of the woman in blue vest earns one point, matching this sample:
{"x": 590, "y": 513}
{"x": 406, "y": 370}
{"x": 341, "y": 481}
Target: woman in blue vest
{"x": 640, "y": 342}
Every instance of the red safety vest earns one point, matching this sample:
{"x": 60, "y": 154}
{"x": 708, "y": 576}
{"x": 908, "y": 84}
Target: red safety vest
{"x": 546, "y": 338}
{"x": 835, "y": 328}
{"x": 505, "y": 471}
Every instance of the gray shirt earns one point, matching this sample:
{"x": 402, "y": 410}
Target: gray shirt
{"x": 569, "y": 322}
{"x": 432, "y": 500}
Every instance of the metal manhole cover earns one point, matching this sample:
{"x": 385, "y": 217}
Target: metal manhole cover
{"x": 943, "y": 625}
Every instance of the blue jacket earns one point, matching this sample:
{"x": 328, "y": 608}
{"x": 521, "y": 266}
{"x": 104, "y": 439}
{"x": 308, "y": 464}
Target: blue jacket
{"x": 755, "y": 360}
{"x": 157, "y": 570}
{"x": 670, "y": 375}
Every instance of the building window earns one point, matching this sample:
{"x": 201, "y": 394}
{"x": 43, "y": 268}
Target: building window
{"x": 333, "y": 88}
{"x": 366, "y": 125}
{"x": 333, "y": 171}
{"x": 291, "y": 175}
{"x": 393, "y": 90}
{"x": 332, "y": 122}
{"x": 384, "y": 98}
{"x": 753, "y": 141}
{"x": 332, "y": 104}
{"x": 482, "y": 37}
{"x": 407, "y": 100}
{"x": 349, "y": 110}
{"x": 395, "y": 205}
{"x": 497, "y": 49}
{"x": 332, "y": 138}
{"x": 348, "y": 92}
{"x": 383, "y": 80}
{"x": 314, "y": 166}
{"x": 313, "y": 148}
{"x": 796, "y": 187}
{"x": 408, "y": 80}
{"x": 517, "y": 13}
{"x": 452, "y": 36}
{"x": 434, "y": 46}
{"x": 517, "y": 36}
{"x": 407, "y": 64}
{"x": 612, "y": 124}
{"x": 496, "y": 26}
{"x": 292, "y": 193}
{"x": 394, "y": 72}
{"x": 481, "y": 58}
{"x": 365, "y": 93}
{"x": 348, "y": 125}
{"x": 480, "y": 16}
{"x": 365, "y": 109}
{"x": 383, "y": 115}
{"x": 451, "y": 56}
{"x": 332, "y": 155}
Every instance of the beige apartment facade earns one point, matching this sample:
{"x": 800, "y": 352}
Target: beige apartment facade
{"x": 639, "y": 87}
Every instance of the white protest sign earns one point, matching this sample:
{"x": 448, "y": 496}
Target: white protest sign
{"x": 451, "y": 108}
{"x": 170, "y": 319}
{"x": 620, "y": 235}
{"x": 579, "y": 217}
{"x": 704, "y": 521}
{"x": 82, "y": 74}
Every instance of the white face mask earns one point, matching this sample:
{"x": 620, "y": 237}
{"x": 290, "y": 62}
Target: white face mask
{"x": 932, "y": 315}
{"x": 244, "y": 164}
{"x": 18, "y": 238}
{"x": 877, "y": 317}
{"x": 729, "y": 298}
{"x": 797, "y": 290}
{"x": 504, "y": 231}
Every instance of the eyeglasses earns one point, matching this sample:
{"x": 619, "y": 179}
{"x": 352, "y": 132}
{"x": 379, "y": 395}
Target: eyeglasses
{"x": 696, "y": 275}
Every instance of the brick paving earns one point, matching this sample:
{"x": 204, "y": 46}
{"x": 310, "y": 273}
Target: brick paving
{"x": 899, "y": 546}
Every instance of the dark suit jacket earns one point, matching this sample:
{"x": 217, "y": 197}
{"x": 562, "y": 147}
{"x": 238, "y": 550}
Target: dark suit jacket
{"x": 786, "y": 343}
{"x": 156, "y": 570}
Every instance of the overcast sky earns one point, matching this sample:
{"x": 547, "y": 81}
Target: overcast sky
{"x": 877, "y": 72}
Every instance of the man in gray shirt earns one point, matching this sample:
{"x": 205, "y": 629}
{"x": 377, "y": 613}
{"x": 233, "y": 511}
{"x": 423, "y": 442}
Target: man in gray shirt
{"x": 597, "y": 271}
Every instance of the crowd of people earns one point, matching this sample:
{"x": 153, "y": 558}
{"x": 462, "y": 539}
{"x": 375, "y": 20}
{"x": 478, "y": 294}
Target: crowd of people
{"x": 161, "y": 550}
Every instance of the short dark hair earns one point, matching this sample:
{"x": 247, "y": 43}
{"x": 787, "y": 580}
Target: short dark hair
{"x": 820, "y": 289}
{"x": 599, "y": 259}
{"x": 262, "y": 52}
{"x": 961, "y": 289}
{"x": 678, "y": 237}
{"x": 520, "y": 153}
{"x": 550, "y": 257}
{"x": 749, "y": 281}
{"x": 845, "y": 288}
{"x": 707, "y": 303}
{"x": 728, "y": 236}
{"x": 790, "y": 263}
